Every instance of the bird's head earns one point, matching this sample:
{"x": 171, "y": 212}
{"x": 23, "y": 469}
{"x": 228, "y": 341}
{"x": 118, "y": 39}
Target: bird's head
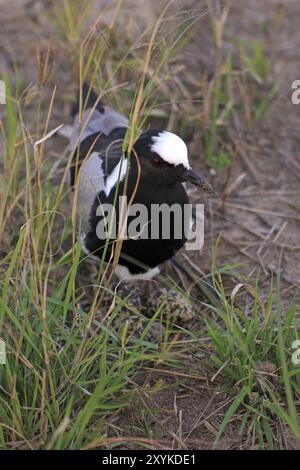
{"x": 163, "y": 157}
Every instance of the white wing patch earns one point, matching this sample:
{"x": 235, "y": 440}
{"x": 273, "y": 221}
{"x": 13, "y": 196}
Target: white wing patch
{"x": 170, "y": 148}
{"x": 117, "y": 175}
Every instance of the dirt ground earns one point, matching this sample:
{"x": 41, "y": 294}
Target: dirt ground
{"x": 260, "y": 220}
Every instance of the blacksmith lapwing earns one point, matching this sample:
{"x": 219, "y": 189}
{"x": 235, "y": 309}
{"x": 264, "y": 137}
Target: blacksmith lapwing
{"x": 153, "y": 174}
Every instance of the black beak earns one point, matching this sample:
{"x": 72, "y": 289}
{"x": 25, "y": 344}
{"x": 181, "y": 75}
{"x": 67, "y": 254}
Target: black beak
{"x": 191, "y": 176}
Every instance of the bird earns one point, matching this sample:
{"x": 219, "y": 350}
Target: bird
{"x": 154, "y": 174}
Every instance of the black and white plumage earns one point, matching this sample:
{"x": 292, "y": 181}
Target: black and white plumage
{"x": 99, "y": 170}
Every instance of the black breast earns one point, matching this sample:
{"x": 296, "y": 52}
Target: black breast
{"x": 160, "y": 237}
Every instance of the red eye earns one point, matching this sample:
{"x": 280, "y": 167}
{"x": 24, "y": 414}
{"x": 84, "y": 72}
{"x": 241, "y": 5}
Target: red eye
{"x": 157, "y": 161}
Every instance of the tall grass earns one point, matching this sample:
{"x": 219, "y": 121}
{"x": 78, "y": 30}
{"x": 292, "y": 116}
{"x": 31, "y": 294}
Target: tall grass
{"x": 62, "y": 378}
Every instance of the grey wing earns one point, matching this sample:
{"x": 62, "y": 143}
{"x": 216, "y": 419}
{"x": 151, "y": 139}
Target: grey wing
{"x": 94, "y": 122}
{"x": 96, "y": 118}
